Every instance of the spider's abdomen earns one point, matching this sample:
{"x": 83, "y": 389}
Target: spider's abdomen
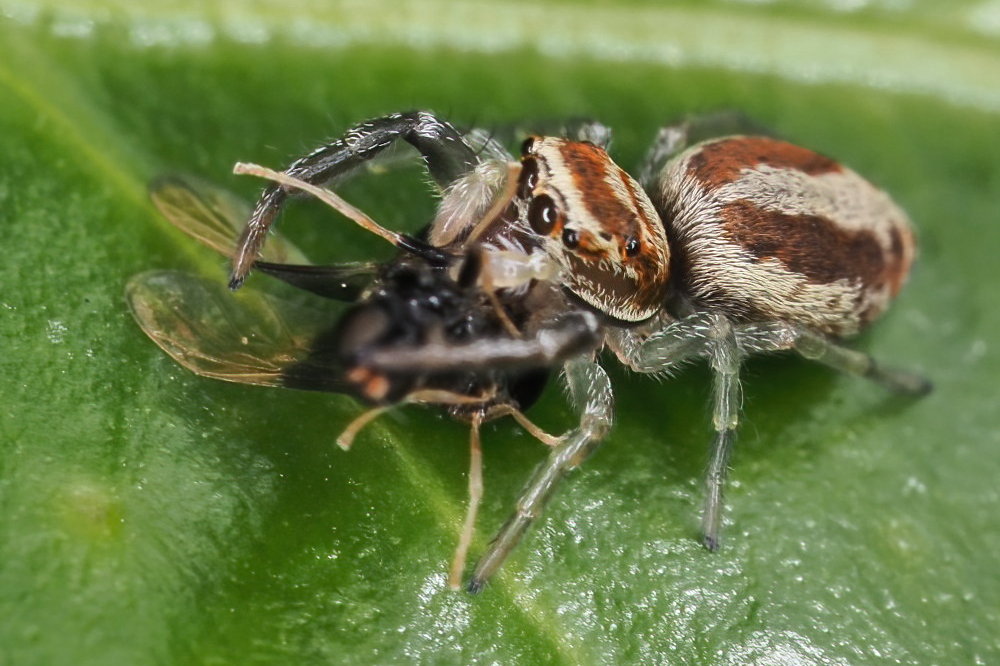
{"x": 762, "y": 229}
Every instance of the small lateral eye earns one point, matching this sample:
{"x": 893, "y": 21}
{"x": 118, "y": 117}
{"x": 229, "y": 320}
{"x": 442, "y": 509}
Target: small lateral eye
{"x": 542, "y": 214}
{"x": 632, "y": 246}
{"x": 529, "y": 178}
{"x": 528, "y": 146}
{"x": 570, "y": 238}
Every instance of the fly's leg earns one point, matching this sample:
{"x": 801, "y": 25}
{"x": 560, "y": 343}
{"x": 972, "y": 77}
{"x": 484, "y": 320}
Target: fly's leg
{"x": 590, "y": 390}
{"x": 505, "y": 269}
{"x": 435, "y": 396}
{"x": 475, "y": 497}
{"x": 446, "y": 153}
{"x": 421, "y": 396}
{"x": 771, "y": 336}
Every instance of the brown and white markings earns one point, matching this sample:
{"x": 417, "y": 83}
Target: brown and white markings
{"x": 763, "y": 229}
{"x": 731, "y": 247}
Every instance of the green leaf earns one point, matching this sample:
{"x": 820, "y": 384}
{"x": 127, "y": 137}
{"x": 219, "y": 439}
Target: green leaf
{"x": 151, "y": 516}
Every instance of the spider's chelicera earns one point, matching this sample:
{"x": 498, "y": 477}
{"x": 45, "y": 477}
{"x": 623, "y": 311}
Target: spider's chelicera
{"x": 721, "y": 249}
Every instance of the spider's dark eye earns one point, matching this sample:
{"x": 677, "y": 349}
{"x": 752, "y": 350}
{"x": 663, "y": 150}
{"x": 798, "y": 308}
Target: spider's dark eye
{"x": 542, "y": 214}
{"x": 528, "y": 146}
{"x": 570, "y": 238}
{"x": 632, "y": 246}
{"x": 528, "y": 179}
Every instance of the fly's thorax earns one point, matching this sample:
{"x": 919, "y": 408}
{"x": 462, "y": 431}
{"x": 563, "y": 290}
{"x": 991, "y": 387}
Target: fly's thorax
{"x": 411, "y": 305}
{"x": 598, "y": 224}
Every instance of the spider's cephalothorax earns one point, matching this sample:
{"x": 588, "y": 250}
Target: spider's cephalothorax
{"x": 598, "y": 224}
{"x": 733, "y": 246}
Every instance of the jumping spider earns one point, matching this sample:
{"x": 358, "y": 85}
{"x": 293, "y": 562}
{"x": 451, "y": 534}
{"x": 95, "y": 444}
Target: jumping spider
{"x": 725, "y": 248}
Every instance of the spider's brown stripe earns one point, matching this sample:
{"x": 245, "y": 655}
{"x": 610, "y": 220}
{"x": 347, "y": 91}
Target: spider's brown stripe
{"x": 812, "y": 245}
{"x": 648, "y": 224}
{"x": 588, "y": 165}
{"x": 720, "y": 162}
{"x": 620, "y": 214}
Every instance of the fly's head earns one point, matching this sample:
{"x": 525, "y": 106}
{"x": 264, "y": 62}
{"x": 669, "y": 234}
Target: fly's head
{"x": 410, "y": 305}
{"x": 598, "y": 224}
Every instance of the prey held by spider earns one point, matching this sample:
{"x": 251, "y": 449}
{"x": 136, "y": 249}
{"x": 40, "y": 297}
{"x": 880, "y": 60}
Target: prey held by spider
{"x": 722, "y": 248}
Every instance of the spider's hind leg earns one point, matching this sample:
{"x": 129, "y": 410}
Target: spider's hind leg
{"x": 672, "y": 139}
{"x": 773, "y": 336}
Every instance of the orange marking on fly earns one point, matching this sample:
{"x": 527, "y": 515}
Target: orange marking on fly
{"x": 598, "y": 224}
{"x": 374, "y": 386}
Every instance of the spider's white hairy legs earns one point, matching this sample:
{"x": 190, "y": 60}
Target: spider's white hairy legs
{"x": 725, "y": 358}
{"x": 817, "y": 348}
{"x": 680, "y": 341}
{"x": 669, "y": 141}
{"x": 697, "y": 335}
{"x": 590, "y": 391}
{"x": 771, "y": 336}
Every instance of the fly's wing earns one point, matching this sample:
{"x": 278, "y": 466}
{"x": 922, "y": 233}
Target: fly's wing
{"x": 250, "y": 339}
{"x": 215, "y": 218}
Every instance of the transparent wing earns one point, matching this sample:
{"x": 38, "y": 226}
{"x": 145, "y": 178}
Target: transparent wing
{"x": 215, "y": 218}
{"x": 250, "y": 339}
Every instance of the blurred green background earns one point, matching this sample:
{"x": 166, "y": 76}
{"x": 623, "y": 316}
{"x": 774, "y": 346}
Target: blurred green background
{"x": 148, "y": 516}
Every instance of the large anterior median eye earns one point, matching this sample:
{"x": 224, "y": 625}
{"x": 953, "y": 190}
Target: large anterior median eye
{"x": 542, "y": 214}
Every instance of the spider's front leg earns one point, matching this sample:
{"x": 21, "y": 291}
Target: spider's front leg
{"x": 569, "y": 336}
{"x": 662, "y": 351}
{"x": 590, "y": 390}
{"x": 443, "y": 148}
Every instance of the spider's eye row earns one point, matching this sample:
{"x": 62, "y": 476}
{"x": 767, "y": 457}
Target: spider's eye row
{"x": 528, "y": 180}
{"x": 528, "y": 146}
{"x": 542, "y": 214}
